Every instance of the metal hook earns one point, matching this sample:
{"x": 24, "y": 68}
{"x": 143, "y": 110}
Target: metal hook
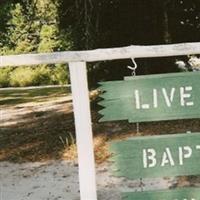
{"x": 133, "y": 68}
{"x": 134, "y": 74}
{"x": 135, "y": 64}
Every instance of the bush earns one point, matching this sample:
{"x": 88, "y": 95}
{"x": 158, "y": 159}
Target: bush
{"x": 22, "y": 76}
{"x": 27, "y": 76}
{"x": 60, "y": 75}
{"x": 5, "y": 77}
{"x": 34, "y": 76}
{"x": 42, "y": 76}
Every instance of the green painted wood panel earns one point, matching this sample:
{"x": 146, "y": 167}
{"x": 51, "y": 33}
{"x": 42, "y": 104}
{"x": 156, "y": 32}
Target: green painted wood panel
{"x": 177, "y": 194}
{"x": 156, "y": 156}
{"x": 152, "y": 98}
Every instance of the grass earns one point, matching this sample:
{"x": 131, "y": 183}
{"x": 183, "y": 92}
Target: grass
{"x": 50, "y": 135}
{"x": 41, "y": 134}
{"x": 35, "y": 134}
{"x": 13, "y": 97}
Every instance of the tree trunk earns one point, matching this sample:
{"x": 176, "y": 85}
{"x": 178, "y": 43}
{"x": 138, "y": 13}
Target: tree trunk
{"x": 166, "y": 31}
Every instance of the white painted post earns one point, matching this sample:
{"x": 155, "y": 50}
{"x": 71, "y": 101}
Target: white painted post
{"x": 84, "y": 136}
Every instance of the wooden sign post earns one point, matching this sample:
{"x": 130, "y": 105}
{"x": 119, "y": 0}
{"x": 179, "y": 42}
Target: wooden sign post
{"x": 177, "y": 194}
{"x": 152, "y": 98}
{"x": 84, "y": 137}
{"x": 155, "y": 98}
{"x": 157, "y": 156}
{"x": 77, "y": 63}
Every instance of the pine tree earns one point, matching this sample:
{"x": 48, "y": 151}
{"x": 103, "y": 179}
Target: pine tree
{"x": 33, "y": 26}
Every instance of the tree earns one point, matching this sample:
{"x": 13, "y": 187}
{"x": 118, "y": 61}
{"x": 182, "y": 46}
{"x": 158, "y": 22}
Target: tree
{"x": 33, "y": 26}
{"x": 54, "y": 25}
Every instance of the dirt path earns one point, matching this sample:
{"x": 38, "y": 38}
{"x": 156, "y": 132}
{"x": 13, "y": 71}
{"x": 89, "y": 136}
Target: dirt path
{"x": 13, "y": 115}
{"x": 37, "y": 142}
{"x": 58, "y": 180}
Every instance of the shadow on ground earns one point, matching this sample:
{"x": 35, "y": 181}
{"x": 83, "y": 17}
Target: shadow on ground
{"x": 40, "y": 137}
{"x": 47, "y": 131}
{"x": 13, "y": 97}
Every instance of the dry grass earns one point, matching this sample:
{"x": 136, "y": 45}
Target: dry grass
{"x": 41, "y": 135}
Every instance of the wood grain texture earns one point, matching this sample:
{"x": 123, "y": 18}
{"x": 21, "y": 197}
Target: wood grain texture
{"x": 181, "y": 158}
{"x": 132, "y": 51}
{"x": 120, "y": 101}
{"x": 177, "y": 194}
{"x": 84, "y": 135}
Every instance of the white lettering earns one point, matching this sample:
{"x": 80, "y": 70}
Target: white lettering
{"x": 167, "y": 158}
{"x": 184, "y": 152}
{"x": 138, "y": 103}
{"x": 155, "y": 98}
{"x": 149, "y": 155}
{"x": 198, "y": 147}
{"x": 137, "y": 99}
{"x": 145, "y": 106}
{"x": 186, "y": 199}
{"x": 184, "y": 95}
{"x": 167, "y": 94}
{"x": 168, "y": 99}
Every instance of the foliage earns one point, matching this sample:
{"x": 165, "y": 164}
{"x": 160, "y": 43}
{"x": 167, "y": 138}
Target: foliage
{"x": 33, "y": 26}
{"x": 5, "y": 77}
{"x": 57, "y": 25}
{"x": 60, "y": 75}
{"x": 33, "y": 76}
{"x": 23, "y": 77}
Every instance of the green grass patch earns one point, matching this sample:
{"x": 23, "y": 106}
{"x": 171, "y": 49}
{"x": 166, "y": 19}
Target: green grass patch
{"x": 17, "y": 96}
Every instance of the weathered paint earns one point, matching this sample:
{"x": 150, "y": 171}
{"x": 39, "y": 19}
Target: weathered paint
{"x": 156, "y": 156}
{"x": 84, "y": 141}
{"x": 177, "y": 194}
{"x": 152, "y": 98}
{"x": 133, "y": 51}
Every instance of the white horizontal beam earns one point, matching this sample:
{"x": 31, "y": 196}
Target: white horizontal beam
{"x": 102, "y": 54}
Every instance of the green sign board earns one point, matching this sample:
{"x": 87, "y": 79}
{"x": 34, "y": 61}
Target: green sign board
{"x": 178, "y": 194}
{"x": 156, "y": 156}
{"x": 152, "y": 98}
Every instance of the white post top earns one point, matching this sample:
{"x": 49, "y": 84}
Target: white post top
{"x": 133, "y": 51}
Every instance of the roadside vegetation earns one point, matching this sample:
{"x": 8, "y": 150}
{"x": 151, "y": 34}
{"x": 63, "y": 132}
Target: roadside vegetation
{"x": 38, "y": 124}
{"x": 39, "y": 26}
{"x": 34, "y": 76}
